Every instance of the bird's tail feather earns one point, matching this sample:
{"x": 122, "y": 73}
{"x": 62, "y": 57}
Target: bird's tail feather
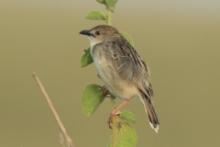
{"x": 149, "y": 108}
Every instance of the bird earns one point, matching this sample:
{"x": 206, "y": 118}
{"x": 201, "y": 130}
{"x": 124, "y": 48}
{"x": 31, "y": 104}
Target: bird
{"x": 121, "y": 69}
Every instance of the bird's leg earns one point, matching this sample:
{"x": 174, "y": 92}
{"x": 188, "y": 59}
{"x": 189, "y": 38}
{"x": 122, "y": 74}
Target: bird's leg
{"x": 116, "y": 110}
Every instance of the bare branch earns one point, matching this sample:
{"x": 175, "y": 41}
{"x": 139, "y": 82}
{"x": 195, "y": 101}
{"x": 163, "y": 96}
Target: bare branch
{"x": 67, "y": 138}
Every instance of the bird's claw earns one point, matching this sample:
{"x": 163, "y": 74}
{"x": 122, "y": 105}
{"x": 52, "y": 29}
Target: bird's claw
{"x": 112, "y": 116}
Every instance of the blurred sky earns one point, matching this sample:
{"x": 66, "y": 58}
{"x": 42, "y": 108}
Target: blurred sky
{"x": 210, "y": 6}
{"x": 203, "y": 9}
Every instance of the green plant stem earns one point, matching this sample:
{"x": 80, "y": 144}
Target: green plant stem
{"x": 109, "y": 17}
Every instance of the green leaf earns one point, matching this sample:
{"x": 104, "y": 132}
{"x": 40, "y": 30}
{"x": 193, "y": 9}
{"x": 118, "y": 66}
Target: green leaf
{"x": 96, "y": 15}
{"x": 128, "y": 38}
{"x": 111, "y": 4}
{"x": 91, "y": 99}
{"x": 86, "y": 58}
{"x": 128, "y": 116}
{"x": 123, "y": 134}
{"x": 101, "y": 1}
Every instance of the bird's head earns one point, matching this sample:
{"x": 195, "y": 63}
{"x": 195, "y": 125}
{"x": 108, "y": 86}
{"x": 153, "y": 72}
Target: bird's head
{"x": 99, "y": 33}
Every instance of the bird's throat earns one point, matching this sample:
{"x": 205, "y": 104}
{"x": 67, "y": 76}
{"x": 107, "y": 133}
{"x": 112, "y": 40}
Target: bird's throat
{"x": 93, "y": 42}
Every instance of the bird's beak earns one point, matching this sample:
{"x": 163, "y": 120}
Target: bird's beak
{"x": 86, "y": 32}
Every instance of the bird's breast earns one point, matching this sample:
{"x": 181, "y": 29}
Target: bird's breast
{"x": 110, "y": 77}
{"x": 103, "y": 67}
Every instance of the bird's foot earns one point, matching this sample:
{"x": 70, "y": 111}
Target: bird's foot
{"x": 113, "y": 114}
{"x": 105, "y": 91}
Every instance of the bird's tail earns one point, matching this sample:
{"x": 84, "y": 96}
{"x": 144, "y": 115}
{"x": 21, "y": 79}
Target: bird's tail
{"x": 149, "y": 109}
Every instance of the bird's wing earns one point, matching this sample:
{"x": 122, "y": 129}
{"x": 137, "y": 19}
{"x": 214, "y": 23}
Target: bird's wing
{"x": 127, "y": 63}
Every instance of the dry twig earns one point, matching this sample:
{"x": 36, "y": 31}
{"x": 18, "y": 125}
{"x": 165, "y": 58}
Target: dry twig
{"x": 68, "y": 141}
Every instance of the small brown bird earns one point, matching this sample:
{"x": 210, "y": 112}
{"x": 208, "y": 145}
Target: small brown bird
{"x": 121, "y": 69}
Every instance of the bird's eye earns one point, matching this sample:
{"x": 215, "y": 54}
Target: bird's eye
{"x": 97, "y": 33}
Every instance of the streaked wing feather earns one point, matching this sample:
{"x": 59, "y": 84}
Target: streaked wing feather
{"x": 127, "y": 63}
{"x": 125, "y": 59}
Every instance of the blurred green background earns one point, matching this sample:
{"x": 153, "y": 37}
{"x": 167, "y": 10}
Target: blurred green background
{"x": 180, "y": 40}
